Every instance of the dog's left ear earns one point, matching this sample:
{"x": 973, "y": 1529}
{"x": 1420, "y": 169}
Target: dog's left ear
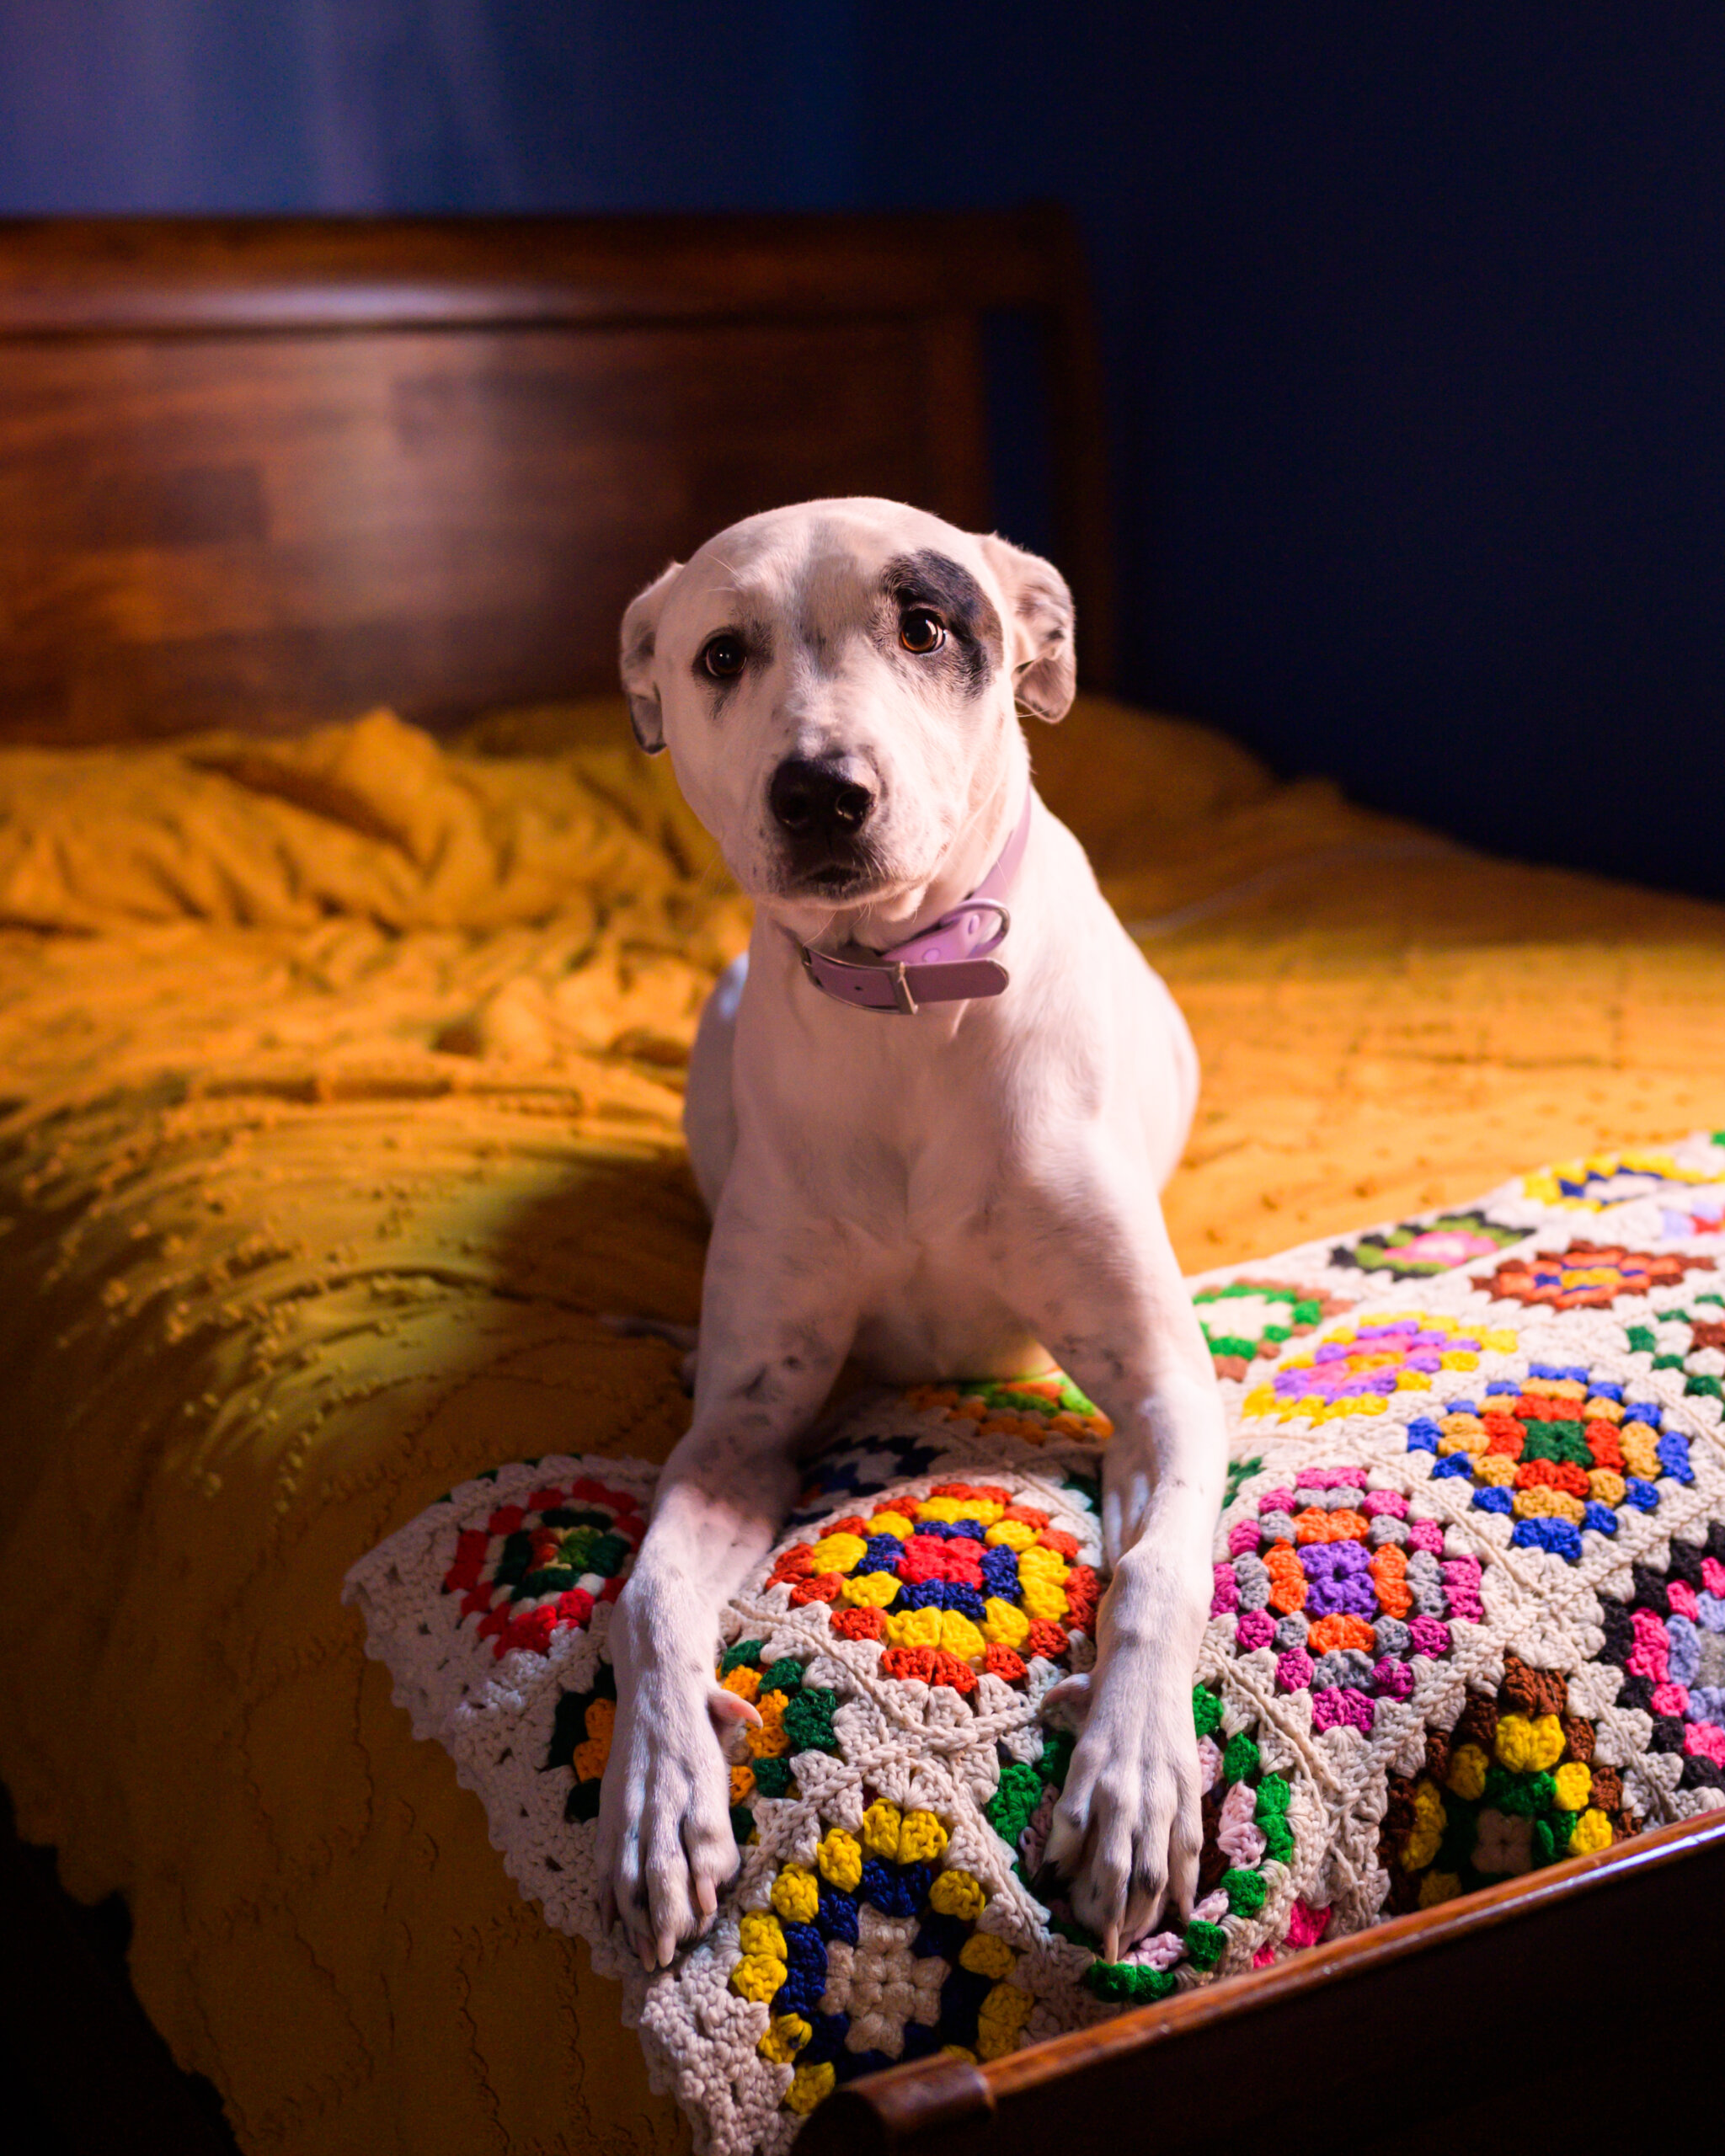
{"x": 1039, "y": 629}
{"x": 640, "y": 636}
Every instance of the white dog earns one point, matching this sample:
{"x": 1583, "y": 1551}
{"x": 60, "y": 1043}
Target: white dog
{"x": 967, "y": 1184}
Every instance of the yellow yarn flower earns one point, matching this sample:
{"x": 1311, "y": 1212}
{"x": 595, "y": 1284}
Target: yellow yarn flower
{"x": 1607, "y": 1486}
{"x": 1000, "y": 2018}
{"x": 1014, "y": 1533}
{"x": 945, "y": 1509}
{"x": 987, "y": 1955}
{"x": 959, "y": 1637}
{"x": 914, "y": 1628}
{"x": 1002, "y": 1623}
{"x": 810, "y": 2085}
{"x": 869, "y": 1590}
{"x": 785, "y": 2037}
{"x": 1529, "y": 1747}
{"x": 1042, "y": 1563}
{"x": 1592, "y": 1831}
{"x": 1574, "y": 1786}
{"x": 1461, "y": 1433}
{"x": 1429, "y": 1820}
{"x": 1641, "y": 1451}
{"x": 795, "y": 1895}
{"x": 839, "y": 1858}
{"x": 1467, "y": 1772}
{"x": 758, "y": 1977}
{"x": 759, "y": 1934}
{"x": 742, "y": 1785}
{"x": 745, "y": 1682}
{"x": 921, "y": 1838}
{"x": 890, "y": 1522}
{"x": 1494, "y": 1468}
{"x": 838, "y": 1553}
{"x": 1438, "y": 1886}
{"x": 957, "y": 1893}
{"x": 1542, "y": 1503}
{"x": 1041, "y": 1598}
{"x": 882, "y": 1825}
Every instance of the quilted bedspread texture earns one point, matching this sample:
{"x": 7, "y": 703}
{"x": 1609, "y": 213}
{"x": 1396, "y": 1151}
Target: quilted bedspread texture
{"x": 341, "y": 1089}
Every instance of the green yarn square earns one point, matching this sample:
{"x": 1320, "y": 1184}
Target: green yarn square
{"x": 772, "y": 1777}
{"x": 1240, "y": 1758}
{"x": 1245, "y": 1892}
{"x": 809, "y": 1721}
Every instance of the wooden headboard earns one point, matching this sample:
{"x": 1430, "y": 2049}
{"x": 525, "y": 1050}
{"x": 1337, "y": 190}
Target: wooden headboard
{"x": 262, "y": 473}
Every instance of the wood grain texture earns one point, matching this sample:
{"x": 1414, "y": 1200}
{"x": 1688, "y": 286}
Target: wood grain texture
{"x": 262, "y": 474}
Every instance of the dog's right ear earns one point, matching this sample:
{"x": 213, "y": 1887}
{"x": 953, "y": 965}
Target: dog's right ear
{"x": 640, "y": 637}
{"x": 1040, "y": 632}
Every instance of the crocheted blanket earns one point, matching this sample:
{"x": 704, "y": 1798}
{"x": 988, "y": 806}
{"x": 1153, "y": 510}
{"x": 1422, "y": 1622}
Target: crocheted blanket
{"x": 1469, "y": 1618}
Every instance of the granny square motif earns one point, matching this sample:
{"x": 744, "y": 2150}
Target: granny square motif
{"x": 1469, "y": 1618}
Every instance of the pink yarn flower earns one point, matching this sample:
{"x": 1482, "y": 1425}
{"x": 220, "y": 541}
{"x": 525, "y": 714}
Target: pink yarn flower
{"x": 1649, "y": 1655}
{"x": 1705, "y": 1740}
{"x": 1256, "y": 1628}
{"x": 1341, "y": 1707}
{"x": 1306, "y": 1925}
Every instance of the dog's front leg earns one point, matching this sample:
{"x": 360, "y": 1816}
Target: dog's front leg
{"x": 1103, "y": 1292}
{"x": 771, "y": 1343}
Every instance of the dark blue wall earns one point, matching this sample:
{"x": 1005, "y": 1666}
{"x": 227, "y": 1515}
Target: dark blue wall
{"x": 1413, "y": 316}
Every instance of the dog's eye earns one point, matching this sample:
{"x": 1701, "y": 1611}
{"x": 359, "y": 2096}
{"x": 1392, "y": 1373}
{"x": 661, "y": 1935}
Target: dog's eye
{"x": 921, "y": 632}
{"x": 723, "y": 656}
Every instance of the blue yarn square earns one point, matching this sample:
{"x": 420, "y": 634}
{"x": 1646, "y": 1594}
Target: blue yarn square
{"x": 1559, "y": 1537}
{"x": 836, "y": 1916}
{"x": 1674, "y": 1457}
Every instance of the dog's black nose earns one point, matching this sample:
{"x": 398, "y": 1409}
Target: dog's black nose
{"x": 814, "y": 797}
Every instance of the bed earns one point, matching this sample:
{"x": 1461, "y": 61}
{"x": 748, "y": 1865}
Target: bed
{"x": 348, "y": 964}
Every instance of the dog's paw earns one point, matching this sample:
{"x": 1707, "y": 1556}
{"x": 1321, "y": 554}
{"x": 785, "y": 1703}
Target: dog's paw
{"x": 1129, "y": 1828}
{"x": 665, "y": 1846}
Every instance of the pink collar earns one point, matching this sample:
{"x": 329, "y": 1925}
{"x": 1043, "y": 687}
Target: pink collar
{"x": 950, "y": 962}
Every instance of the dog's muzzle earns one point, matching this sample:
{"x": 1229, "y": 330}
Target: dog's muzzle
{"x": 953, "y": 961}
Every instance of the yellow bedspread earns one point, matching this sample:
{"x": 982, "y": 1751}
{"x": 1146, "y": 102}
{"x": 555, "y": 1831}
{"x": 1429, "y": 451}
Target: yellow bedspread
{"x": 341, "y": 1083}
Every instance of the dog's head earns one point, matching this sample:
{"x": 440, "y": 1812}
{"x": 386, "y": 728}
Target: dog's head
{"x": 838, "y": 684}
